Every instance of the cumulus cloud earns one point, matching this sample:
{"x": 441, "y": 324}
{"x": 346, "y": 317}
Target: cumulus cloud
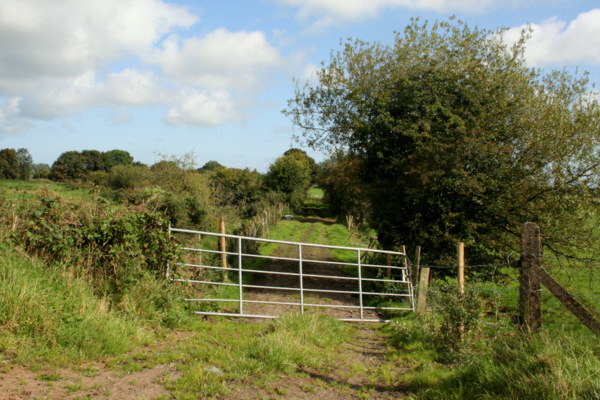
{"x": 221, "y": 59}
{"x": 558, "y": 42}
{"x": 202, "y": 109}
{"x": 62, "y": 57}
{"x": 41, "y": 38}
{"x": 132, "y": 88}
{"x": 9, "y": 116}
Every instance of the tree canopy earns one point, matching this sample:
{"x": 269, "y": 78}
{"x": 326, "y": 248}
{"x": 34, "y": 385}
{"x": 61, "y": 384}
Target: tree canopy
{"x": 456, "y": 138}
{"x": 9, "y": 164}
{"x": 77, "y": 164}
{"x": 291, "y": 174}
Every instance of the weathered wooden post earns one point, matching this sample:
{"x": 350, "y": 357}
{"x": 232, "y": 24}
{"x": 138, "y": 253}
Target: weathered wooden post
{"x": 266, "y": 222}
{"x": 530, "y": 299}
{"x": 416, "y": 266}
{"x": 423, "y": 286}
{"x": 460, "y": 265}
{"x": 404, "y": 264}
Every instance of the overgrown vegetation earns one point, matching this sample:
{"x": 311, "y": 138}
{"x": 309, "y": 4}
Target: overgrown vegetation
{"x": 462, "y": 356}
{"x": 453, "y": 138}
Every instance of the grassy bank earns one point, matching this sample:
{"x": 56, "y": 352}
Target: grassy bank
{"x": 47, "y": 314}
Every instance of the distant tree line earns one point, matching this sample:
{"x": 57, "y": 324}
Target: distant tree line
{"x": 76, "y": 165}
{"x": 187, "y": 194}
{"x": 16, "y": 164}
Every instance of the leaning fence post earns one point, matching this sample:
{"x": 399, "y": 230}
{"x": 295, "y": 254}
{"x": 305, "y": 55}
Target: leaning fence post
{"x": 530, "y": 304}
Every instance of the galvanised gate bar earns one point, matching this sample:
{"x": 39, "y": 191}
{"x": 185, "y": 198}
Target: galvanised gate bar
{"x": 348, "y": 279}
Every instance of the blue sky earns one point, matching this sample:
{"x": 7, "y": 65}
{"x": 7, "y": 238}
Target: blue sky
{"x": 211, "y": 77}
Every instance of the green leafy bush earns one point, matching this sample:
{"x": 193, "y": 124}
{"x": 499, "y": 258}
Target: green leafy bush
{"x": 118, "y": 244}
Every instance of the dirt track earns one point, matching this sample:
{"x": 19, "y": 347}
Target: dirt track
{"x": 362, "y": 368}
{"x": 291, "y": 296}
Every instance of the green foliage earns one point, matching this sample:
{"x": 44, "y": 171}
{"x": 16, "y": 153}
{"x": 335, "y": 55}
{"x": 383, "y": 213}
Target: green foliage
{"x": 25, "y": 164}
{"x": 291, "y": 175}
{"x": 239, "y": 187}
{"x": 9, "y": 164}
{"x": 128, "y": 176}
{"x": 257, "y": 351}
{"x": 47, "y": 314}
{"x": 40, "y": 171}
{"x": 344, "y": 193}
{"x": 315, "y": 169}
{"x": 93, "y": 160}
{"x": 114, "y": 158}
{"x": 118, "y": 245}
{"x": 457, "y": 139}
{"x": 77, "y": 165}
{"x": 211, "y": 166}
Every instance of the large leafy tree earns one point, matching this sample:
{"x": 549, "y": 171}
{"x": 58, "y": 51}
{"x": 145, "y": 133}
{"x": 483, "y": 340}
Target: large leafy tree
{"x": 70, "y": 165}
{"x": 116, "y": 157}
{"x": 9, "y": 164}
{"x": 456, "y": 137}
{"x": 344, "y": 192}
{"x": 25, "y": 163}
{"x": 291, "y": 175}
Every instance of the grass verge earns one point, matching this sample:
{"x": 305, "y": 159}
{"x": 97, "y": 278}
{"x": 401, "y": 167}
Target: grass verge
{"x": 216, "y": 354}
{"x": 45, "y": 314}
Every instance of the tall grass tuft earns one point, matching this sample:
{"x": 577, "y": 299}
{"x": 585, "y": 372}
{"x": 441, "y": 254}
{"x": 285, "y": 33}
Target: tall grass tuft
{"x": 518, "y": 366}
{"x": 46, "y": 313}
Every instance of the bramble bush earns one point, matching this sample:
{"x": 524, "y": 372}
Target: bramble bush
{"x": 115, "y": 244}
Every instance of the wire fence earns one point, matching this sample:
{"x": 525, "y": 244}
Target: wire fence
{"x": 497, "y": 285}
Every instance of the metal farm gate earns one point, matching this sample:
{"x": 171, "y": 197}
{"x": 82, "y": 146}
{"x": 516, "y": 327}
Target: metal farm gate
{"x": 266, "y": 286}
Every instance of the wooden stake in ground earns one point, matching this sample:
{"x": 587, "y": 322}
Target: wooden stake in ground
{"x": 530, "y": 300}
{"x": 266, "y": 222}
{"x": 423, "y": 285}
{"x": 404, "y": 263}
{"x": 460, "y": 264}
{"x": 416, "y": 266}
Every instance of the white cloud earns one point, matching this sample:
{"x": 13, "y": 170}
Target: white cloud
{"x": 558, "y": 42}
{"x": 132, "y": 88}
{"x": 41, "y": 38}
{"x": 220, "y": 60}
{"x": 202, "y": 109}
{"x": 9, "y": 117}
{"x": 63, "y": 57}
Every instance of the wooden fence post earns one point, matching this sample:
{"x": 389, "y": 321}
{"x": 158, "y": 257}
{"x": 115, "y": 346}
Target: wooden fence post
{"x": 404, "y": 264}
{"x": 423, "y": 285}
{"x": 530, "y": 299}
{"x": 266, "y": 216}
{"x": 416, "y": 265}
{"x": 460, "y": 264}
